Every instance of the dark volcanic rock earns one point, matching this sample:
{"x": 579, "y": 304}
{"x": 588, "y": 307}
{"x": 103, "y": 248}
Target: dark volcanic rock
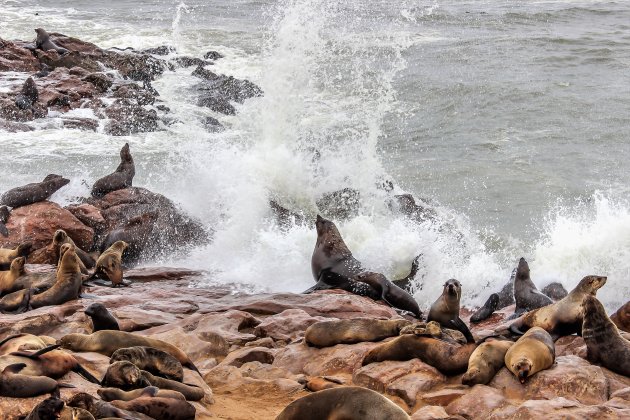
{"x": 128, "y": 118}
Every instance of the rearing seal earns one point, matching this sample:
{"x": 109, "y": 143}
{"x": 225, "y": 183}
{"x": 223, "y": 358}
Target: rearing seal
{"x": 121, "y": 178}
{"x": 445, "y": 310}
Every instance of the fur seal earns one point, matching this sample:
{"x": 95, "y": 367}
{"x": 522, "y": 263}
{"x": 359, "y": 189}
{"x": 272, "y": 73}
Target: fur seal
{"x": 61, "y": 237}
{"x": 159, "y": 408}
{"x": 107, "y": 342}
{"x": 101, "y": 409}
{"x": 485, "y": 362}
{"x": 23, "y": 341}
{"x": 450, "y": 359}
{"x": 350, "y": 331}
{"x": 49, "y": 409}
{"x": 68, "y": 284}
{"x": 121, "y": 178}
{"x": 101, "y": 318}
{"x": 487, "y": 309}
{"x": 135, "y": 233}
{"x": 533, "y": 352}
{"x": 109, "y": 263}
{"x": 8, "y": 255}
{"x": 8, "y": 278}
{"x": 4, "y": 218}
{"x": 348, "y": 403}
{"x": 445, "y": 310}
{"x": 563, "y": 317}
{"x": 393, "y": 295}
{"x": 604, "y": 344}
{"x": 16, "y": 385}
{"x": 47, "y": 362}
{"x": 28, "y": 95}
{"x": 125, "y": 375}
{"x": 152, "y": 360}
{"x": 34, "y": 192}
{"x": 43, "y": 42}
{"x": 526, "y": 295}
{"x": 16, "y": 302}
{"x": 111, "y": 394}
{"x": 621, "y": 318}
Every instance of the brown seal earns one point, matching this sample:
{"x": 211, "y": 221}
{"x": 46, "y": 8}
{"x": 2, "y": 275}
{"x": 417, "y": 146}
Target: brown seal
{"x": 107, "y": 342}
{"x": 533, "y": 352}
{"x": 604, "y": 343}
{"x": 16, "y": 302}
{"x": 68, "y": 284}
{"x": 563, "y": 317}
{"x": 348, "y": 403}
{"x": 350, "y": 331}
{"x": 393, "y": 295}
{"x": 109, "y": 263}
{"x": 125, "y": 375}
{"x": 34, "y": 192}
{"x": 23, "y": 341}
{"x": 43, "y": 42}
{"x": 450, "y": 359}
{"x": 485, "y": 362}
{"x": 111, "y": 394}
{"x": 48, "y": 409}
{"x": 152, "y": 360}
{"x": 487, "y": 309}
{"x": 74, "y": 413}
{"x": 159, "y": 408}
{"x": 621, "y": 318}
{"x": 101, "y": 318}
{"x": 526, "y": 295}
{"x": 47, "y": 362}
{"x": 8, "y": 255}
{"x": 101, "y": 409}
{"x": 16, "y": 385}
{"x": 61, "y": 237}
{"x": 121, "y": 178}
{"x": 8, "y": 278}
{"x": 445, "y": 310}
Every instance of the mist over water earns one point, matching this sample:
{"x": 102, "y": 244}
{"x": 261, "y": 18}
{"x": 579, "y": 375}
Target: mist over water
{"x": 512, "y": 120}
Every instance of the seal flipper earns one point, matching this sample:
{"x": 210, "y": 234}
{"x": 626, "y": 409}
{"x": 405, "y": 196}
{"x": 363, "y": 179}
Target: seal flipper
{"x": 10, "y": 337}
{"x": 463, "y": 328}
{"x": 65, "y": 385}
{"x": 87, "y": 375}
{"x": 35, "y": 355}
{"x": 14, "y": 368}
{"x": 487, "y": 309}
{"x": 320, "y": 285}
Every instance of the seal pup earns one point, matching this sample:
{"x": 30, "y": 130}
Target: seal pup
{"x": 526, "y": 295}
{"x": 563, "y": 317}
{"x": 34, "y": 192}
{"x": 125, "y": 375}
{"x": 109, "y": 264}
{"x": 159, "y": 408}
{"x": 485, "y": 362}
{"x": 152, "y": 360}
{"x": 43, "y": 42}
{"x": 68, "y": 284}
{"x": 107, "y": 342}
{"x": 8, "y": 278}
{"x": 8, "y": 255}
{"x": 533, "y": 352}
{"x": 121, "y": 178}
{"x": 48, "y": 362}
{"x": 604, "y": 343}
{"x": 350, "y": 331}
{"x": 391, "y": 294}
{"x": 111, "y": 394}
{"x": 4, "y": 218}
{"x": 16, "y": 385}
{"x": 16, "y": 302}
{"x": 61, "y": 237}
{"x": 348, "y": 403}
{"x": 445, "y": 310}
{"x": 49, "y": 409}
{"x": 102, "y": 319}
{"x": 621, "y": 318}
{"x": 486, "y": 310}
{"x": 450, "y": 359}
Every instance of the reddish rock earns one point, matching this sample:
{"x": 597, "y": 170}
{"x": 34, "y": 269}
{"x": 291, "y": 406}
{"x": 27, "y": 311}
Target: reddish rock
{"x": 14, "y": 57}
{"x": 555, "y": 409}
{"x": 230, "y": 327}
{"x": 248, "y": 354}
{"x": 615, "y": 380}
{"x": 160, "y": 273}
{"x": 88, "y": 215}
{"x": 411, "y": 387}
{"x": 571, "y": 345}
{"x": 288, "y": 325}
{"x": 445, "y": 396}
{"x": 431, "y": 412}
{"x": 38, "y": 222}
{"x": 480, "y": 402}
{"x": 621, "y": 318}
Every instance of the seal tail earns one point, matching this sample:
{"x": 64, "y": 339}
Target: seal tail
{"x": 87, "y": 375}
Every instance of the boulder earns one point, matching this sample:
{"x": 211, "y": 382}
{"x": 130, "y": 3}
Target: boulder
{"x": 480, "y": 402}
{"x": 288, "y": 325}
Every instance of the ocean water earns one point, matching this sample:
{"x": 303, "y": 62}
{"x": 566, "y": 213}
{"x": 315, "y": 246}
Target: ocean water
{"x": 510, "y": 117}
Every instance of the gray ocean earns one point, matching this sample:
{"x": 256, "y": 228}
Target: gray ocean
{"x": 510, "y": 118}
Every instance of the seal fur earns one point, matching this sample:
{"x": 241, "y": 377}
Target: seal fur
{"x": 526, "y": 295}
{"x": 152, "y": 360}
{"x": 121, "y": 178}
{"x": 43, "y": 42}
{"x": 101, "y": 318}
{"x": 485, "y": 362}
{"x": 109, "y": 263}
{"x": 34, "y": 192}
{"x": 445, "y": 310}
{"x": 563, "y": 317}
{"x": 8, "y": 255}
{"x": 604, "y": 343}
{"x": 16, "y": 385}
{"x": 111, "y": 394}
{"x": 533, "y": 352}
{"x": 68, "y": 284}
{"x": 350, "y": 331}
{"x": 8, "y": 278}
{"x": 159, "y": 408}
{"x": 348, "y": 403}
